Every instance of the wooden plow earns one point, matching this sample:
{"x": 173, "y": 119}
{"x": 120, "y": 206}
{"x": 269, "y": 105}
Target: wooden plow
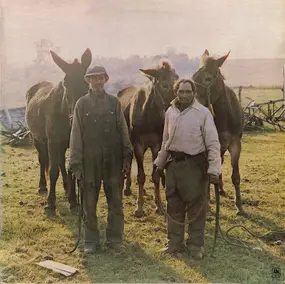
{"x": 16, "y": 137}
{"x": 271, "y": 112}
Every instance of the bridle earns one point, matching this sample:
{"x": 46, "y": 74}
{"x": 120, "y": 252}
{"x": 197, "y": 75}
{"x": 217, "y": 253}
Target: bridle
{"x": 208, "y": 90}
{"x": 70, "y": 113}
{"x": 156, "y": 94}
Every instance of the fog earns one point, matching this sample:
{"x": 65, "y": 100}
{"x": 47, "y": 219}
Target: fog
{"x": 126, "y": 35}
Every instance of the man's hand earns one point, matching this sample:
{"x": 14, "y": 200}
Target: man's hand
{"x": 214, "y": 179}
{"x": 158, "y": 170}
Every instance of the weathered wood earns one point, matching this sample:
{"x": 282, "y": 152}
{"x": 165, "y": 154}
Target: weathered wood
{"x": 269, "y": 112}
{"x": 63, "y": 269}
{"x": 239, "y": 94}
{"x": 269, "y": 102}
{"x": 18, "y": 136}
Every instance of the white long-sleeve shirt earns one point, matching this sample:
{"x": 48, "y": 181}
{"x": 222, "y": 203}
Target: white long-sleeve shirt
{"x": 191, "y": 131}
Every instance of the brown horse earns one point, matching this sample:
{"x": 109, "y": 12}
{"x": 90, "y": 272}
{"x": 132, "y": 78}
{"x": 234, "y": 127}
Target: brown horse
{"x": 144, "y": 111}
{"x": 228, "y": 115}
{"x": 49, "y": 114}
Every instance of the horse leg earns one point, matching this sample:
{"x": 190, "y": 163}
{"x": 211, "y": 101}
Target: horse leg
{"x": 139, "y": 154}
{"x": 156, "y": 179}
{"x": 127, "y": 190}
{"x": 235, "y": 149}
{"x": 68, "y": 180}
{"x": 54, "y": 158}
{"x": 72, "y": 191}
{"x": 63, "y": 170}
{"x": 43, "y": 160}
{"x": 221, "y": 184}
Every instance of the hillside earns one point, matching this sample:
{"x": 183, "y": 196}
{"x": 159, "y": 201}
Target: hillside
{"x": 125, "y": 72}
{"x": 254, "y": 72}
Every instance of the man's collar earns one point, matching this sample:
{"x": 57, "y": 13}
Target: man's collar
{"x": 194, "y": 104}
{"x": 91, "y": 92}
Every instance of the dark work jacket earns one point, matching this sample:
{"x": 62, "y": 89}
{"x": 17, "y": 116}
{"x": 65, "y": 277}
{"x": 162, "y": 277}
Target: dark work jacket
{"x": 99, "y": 141}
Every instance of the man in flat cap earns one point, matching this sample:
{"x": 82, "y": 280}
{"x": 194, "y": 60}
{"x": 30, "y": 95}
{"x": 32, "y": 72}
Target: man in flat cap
{"x": 100, "y": 150}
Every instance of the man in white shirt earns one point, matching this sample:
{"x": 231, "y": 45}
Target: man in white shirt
{"x": 190, "y": 153}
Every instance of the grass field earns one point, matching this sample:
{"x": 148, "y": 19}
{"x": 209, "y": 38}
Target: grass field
{"x": 260, "y": 95}
{"x": 28, "y": 236}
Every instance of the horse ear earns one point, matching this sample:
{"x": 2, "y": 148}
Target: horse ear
{"x": 62, "y": 64}
{"x": 86, "y": 58}
{"x": 222, "y": 59}
{"x": 150, "y": 72}
{"x": 204, "y": 57}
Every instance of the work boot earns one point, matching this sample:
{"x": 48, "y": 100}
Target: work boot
{"x": 91, "y": 241}
{"x": 115, "y": 246}
{"x": 171, "y": 249}
{"x": 196, "y": 252}
{"x": 90, "y": 248}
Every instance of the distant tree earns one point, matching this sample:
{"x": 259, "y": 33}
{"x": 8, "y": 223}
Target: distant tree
{"x": 43, "y": 47}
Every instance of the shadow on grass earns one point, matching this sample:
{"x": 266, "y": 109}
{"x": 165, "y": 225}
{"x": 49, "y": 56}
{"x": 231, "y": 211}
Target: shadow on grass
{"x": 255, "y": 218}
{"x": 132, "y": 264}
{"x": 233, "y": 264}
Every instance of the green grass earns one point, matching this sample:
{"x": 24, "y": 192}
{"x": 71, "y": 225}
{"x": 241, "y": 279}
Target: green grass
{"x": 28, "y": 236}
{"x": 260, "y": 95}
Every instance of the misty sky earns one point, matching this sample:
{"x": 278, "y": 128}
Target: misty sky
{"x": 249, "y": 28}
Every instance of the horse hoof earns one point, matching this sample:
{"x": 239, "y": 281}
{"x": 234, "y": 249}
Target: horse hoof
{"x": 243, "y": 214}
{"x": 50, "y": 210}
{"x": 127, "y": 192}
{"x": 43, "y": 191}
{"x": 73, "y": 205}
{"x": 139, "y": 213}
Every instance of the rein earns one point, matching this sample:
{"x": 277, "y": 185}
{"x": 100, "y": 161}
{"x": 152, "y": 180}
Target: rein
{"x": 157, "y": 94}
{"x": 80, "y": 214}
{"x": 210, "y": 106}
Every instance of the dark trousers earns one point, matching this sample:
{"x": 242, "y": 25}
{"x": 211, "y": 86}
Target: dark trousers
{"x": 186, "y": 186}
{"x": 115, "y": 220}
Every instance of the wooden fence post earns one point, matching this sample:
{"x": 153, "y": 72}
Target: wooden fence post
{"x": 239, "y": 94}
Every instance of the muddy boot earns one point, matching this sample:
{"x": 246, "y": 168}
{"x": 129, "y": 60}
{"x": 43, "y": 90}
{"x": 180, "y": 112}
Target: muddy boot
{"x": 196, "y": 252}
{"x": 91, "y": 241}
{"x": 118, "y": 247}
{"x": 171, "y": 249}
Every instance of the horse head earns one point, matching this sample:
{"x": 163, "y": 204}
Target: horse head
{"x": 74, "y": 82}
{"x": 208, "y": 79}
{"x": 163, "y": 78}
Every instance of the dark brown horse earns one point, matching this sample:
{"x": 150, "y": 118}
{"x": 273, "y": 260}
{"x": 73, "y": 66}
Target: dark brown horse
{"x": 49, "y": 113}
{"x": 228, "y": 115}
{"x": 144, "y": 111}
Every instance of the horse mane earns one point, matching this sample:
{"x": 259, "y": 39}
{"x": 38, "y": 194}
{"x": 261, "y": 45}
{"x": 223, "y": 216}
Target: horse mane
{"x": 164, "y": 64}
